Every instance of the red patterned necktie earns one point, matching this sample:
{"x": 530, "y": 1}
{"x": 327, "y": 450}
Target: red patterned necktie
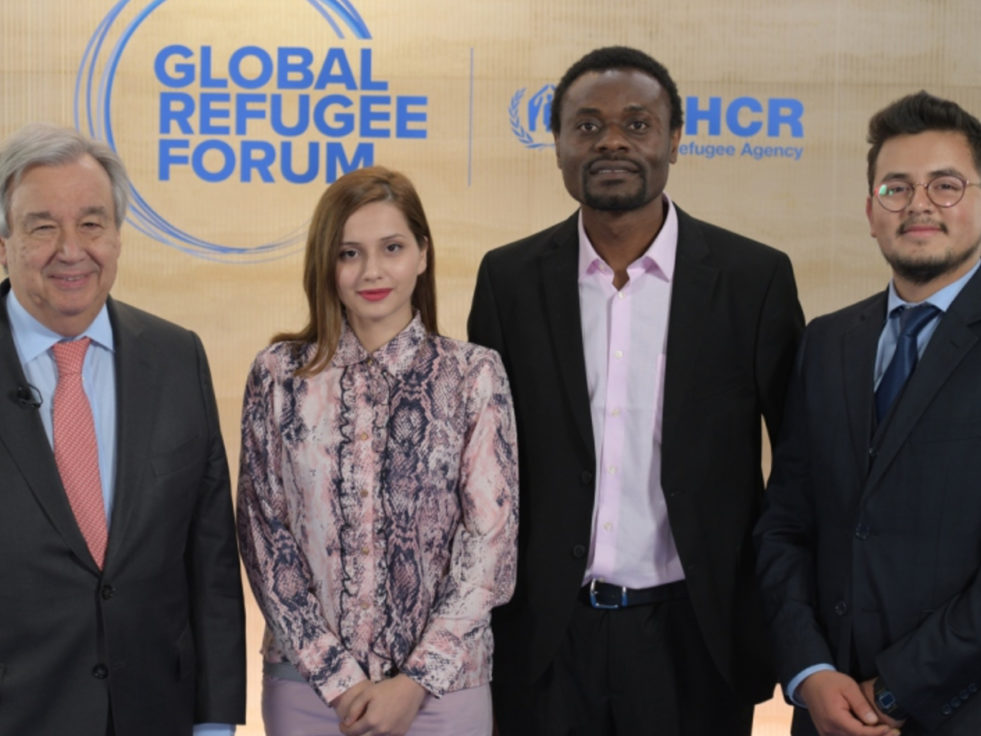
{"x": 75, "y": 448}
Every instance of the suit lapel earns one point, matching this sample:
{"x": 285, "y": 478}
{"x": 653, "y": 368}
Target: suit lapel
{"x": 137, "y": 381}
{"x": 953, "y": 339}
{"x": 859, "y": 344}
{"x": 693, "y": 284}
{"x": 560, "y": 286}
{"x": 22, "y": 434}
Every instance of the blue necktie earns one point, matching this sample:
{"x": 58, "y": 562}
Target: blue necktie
{"x": 911, "y": 321}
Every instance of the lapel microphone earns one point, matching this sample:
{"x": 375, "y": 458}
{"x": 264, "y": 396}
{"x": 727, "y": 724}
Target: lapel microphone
{"x": 26, "y": 397}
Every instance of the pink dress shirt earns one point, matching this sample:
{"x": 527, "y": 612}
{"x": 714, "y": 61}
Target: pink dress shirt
{"x": 377, "y": 509}
{"x": 624, "y": 336}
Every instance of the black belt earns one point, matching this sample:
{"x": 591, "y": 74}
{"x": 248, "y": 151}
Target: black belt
{"x": 603, "y": 595}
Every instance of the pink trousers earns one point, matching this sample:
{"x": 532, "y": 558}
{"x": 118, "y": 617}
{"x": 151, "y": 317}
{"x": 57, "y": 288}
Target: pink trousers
{"x": 292, "y": 708}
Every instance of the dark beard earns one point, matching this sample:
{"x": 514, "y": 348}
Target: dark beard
{"x": 923, "y": 272}
{"x": 615, "y": 202}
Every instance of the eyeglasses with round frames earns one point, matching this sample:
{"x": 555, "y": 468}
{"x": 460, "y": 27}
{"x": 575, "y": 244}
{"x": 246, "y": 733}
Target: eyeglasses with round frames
{"x": 947, "y": 190}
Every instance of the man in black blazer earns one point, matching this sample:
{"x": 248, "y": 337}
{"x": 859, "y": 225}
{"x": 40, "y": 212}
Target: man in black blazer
{"x": 129, "y": 621}
{"x": 636, "y": 338}
{"x": 870, "y": 545}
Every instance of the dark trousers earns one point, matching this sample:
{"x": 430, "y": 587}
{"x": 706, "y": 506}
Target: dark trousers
{"x": 637, "y": 671}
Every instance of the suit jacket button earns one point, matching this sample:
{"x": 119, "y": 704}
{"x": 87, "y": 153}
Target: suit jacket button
{"x": 862, "y": 531}
{"x": 107, "y": 592}
{"x": 586, "y": 477}
{"x": 579, "y": 551}
{"x": 100, "y": 672}
{"x": 841, "y": 608}
{"x": 946, "y": 710}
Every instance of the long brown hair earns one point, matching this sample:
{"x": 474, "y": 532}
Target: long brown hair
{"x": 342, "y": 198}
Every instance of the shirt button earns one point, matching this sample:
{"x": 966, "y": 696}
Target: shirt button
{"x": 578, "y": 551}
{"x": 100, "y": 672}
{"x": 607, "y": 526}
{"x": 615, "y": 413}
{"x": 841, "y": 608}
{"x": 612, "y": 470}
{"x": 619, "y": 295}
{"x": 618, "y": 353}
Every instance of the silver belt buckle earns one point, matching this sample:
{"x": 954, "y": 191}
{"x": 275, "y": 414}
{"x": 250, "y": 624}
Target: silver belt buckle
{"x": 607, "y": 606}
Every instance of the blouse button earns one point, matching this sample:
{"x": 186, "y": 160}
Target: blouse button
{"x": 365, "y": 605}
{"x": 364, "y": 436}
{"x": 364, "y": 493}
{"x": 365, "y": 550}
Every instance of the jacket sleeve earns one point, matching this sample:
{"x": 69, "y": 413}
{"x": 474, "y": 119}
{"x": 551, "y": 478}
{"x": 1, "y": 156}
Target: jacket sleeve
{"x": 276, "y": 567}
{"x": 936, "y": 668}
{"x": 483, "y": 324}
{"x": 785, "y": 541}
{"x": 211, "y": 559}
{"x": 779, "y": 333}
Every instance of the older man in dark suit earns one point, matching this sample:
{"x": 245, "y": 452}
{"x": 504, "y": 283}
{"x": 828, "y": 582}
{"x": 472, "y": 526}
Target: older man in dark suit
{"x": 643, "y": 347}
{"x": 870, "y": 546}
{"x": 121, "y": 603}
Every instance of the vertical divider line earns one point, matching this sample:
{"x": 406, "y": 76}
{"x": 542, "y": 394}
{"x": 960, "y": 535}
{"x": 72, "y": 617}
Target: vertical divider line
{"x": 470, "y": 127}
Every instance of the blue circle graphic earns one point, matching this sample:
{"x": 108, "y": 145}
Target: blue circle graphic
{"x": 93, "y": 115}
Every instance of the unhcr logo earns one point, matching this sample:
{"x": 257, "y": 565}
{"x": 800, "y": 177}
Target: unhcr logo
{"x": 530, "y": 120}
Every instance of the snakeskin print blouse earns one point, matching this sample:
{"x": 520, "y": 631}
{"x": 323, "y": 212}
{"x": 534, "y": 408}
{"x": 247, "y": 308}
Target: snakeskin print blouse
{"x": 377, "y": 509}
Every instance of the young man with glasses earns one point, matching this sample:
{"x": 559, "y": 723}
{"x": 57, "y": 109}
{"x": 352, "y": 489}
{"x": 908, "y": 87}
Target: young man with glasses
{"x": 870, "y": 542}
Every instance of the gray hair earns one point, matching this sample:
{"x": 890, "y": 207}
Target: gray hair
{"x": 41, "y": 144}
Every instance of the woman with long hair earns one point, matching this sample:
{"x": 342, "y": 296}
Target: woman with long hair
{"x": 377, "y": 498}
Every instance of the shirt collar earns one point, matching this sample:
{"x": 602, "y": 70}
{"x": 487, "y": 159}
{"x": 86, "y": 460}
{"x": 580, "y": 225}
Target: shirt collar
{"x": 942, "y": 299}
{"x": 33, "y": 338}
{"x": 394, "y": 357}
{"x": 658, "y": 259}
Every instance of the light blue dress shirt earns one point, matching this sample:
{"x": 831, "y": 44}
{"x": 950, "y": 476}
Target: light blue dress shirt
{"x": 888, "y": 339}
{"x": 890, "y": 331}
{"x": 33, "y": 342}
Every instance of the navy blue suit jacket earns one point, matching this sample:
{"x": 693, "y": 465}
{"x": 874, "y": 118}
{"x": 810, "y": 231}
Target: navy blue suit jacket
{"x": 870, "y": 544}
